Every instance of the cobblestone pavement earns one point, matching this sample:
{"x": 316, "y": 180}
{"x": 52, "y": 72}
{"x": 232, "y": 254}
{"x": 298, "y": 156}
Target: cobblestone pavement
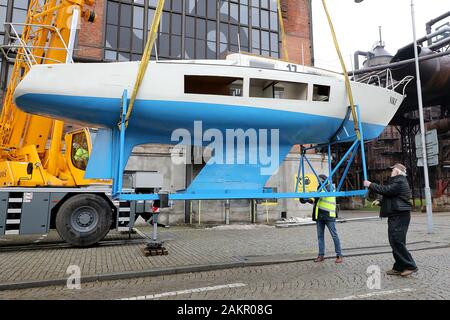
{"x": 203, "y": 246}
{"x": 301, "y": 280}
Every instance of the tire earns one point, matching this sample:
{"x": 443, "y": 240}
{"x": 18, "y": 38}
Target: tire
{"x": 84, "y": 220}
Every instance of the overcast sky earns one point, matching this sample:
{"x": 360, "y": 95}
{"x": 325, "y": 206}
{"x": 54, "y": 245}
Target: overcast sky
{"x": 356, "y": 25}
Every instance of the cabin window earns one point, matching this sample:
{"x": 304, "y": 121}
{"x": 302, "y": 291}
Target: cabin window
{"x": 80, "y": 151}
{"x": 274, "y": 89}
{"x": 222, "y": 86}
{"x": 321, "y": 93}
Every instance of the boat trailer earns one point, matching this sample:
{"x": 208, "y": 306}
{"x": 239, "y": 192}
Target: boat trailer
{"x": 326, "y": 188}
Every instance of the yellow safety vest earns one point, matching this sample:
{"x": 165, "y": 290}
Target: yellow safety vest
{"x": 327, "y": 204}
{"x": 81, "y": 154}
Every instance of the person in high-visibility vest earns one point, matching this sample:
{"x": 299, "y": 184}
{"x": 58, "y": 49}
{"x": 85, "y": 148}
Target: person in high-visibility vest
{"x": 81, "y": 156}
{"x": 325, "y": 214}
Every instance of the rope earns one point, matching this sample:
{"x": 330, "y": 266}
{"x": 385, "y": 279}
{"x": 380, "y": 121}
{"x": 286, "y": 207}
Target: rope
{"x": 283, "y": 34}
{"x": 145, "y": 59}
{"x": 344, "y": 70}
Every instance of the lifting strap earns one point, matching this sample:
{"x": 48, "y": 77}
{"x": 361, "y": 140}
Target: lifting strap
{"x": 145, "y": 59}
{"x": 344, "y": 70}
{"x": 283, "y": 34}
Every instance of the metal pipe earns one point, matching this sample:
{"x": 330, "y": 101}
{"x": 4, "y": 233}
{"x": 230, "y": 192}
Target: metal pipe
{"x": 347, "y": 168}
{"x": 354, "y": 145}
{"x": 267, "y": 212}
{"x": 303, "y": 171}
{"x": 356, "y": 56}
{"x": 422, "y": 126}
{"x": 330, "y": 169}
{"x": 227, "y": 212}
{"x": 190, "y": 212}
{"x": 73, "y": 34}
{"x": 440, "y": 44}
{"x": 155, "y": 227}
{"x": 310, "y": 13}
{"x": 254, "y": 213}
{"x": 363, "y": 154}
{"x": 199, "y": 211}
{"x": 400, "y": 63}
{"x": 298, "y": 175}
{"x": 432, "y": 22}
{"x": 429, "y": 36}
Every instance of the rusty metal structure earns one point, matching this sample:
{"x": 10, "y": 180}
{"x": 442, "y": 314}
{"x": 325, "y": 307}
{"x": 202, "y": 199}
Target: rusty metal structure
{"x": 397, "y": 142}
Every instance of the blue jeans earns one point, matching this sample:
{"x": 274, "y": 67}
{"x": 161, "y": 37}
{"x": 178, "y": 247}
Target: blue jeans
{"x": 331, "y": 225}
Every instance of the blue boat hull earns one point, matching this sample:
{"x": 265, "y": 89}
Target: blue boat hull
{"x": 154, "y": 121}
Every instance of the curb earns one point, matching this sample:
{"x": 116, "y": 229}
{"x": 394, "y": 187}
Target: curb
{"x": 183, "y": 269}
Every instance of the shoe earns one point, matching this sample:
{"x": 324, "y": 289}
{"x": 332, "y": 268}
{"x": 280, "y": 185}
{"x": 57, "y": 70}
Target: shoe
{"x": 319, "y": 259}
{"x": 393, "y": 272}
{"x": 407, "y": 272}
{"x": 339, "y": 259}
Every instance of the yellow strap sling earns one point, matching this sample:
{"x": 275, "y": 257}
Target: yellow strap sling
{"x": 344, "y": 70}
{"x": 145, "y": 58}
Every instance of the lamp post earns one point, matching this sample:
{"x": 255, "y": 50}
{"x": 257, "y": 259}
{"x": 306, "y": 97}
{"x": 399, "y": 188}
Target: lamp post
{"x": 422, "y": 123}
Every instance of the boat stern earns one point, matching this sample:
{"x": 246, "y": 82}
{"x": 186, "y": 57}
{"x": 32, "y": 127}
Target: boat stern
{"x": 378, "y": 107}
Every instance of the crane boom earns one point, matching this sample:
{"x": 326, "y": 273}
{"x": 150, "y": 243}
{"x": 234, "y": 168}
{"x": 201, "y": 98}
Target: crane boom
{"x": 30, "y": 143}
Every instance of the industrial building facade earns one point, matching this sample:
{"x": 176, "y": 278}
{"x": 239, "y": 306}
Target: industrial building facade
{"x": 190, "y": 29}
{"x": 196, "y": 29}
{"x": 210, "y": 29}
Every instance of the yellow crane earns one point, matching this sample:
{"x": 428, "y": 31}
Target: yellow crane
{"x": 42, "y": 183}
{"x": 32, "y": 151}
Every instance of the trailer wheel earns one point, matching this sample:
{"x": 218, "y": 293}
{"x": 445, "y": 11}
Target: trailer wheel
{"x": 84, "y": 220}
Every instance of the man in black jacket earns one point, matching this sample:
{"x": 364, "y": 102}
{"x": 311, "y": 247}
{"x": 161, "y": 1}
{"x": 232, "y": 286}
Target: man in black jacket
{"x": 396, "y": 206}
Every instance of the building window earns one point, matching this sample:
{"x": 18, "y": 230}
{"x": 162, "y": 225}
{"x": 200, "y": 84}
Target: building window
{"x": 192, "y": 29}
{"x": 201, "y": 29}
{"x": 3, "y": 10}
{"x": 10, "y": 11}
{"x": 265, "y": 36}
{"x": 124, "y": 39}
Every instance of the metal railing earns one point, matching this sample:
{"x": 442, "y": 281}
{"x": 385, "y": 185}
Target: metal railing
{"x": 12, "y": 51}
{"x": 384, "y": 79}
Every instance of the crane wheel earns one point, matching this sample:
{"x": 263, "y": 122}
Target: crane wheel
{"x": 84, "y": 219}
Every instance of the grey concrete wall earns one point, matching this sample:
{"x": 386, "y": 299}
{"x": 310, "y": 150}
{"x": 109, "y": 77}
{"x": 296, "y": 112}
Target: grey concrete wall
{"x": 159, "y": 158}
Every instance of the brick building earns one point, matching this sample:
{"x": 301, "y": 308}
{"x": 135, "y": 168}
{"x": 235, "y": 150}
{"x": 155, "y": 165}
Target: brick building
{"x": 190, "y": 29}
{"x": 196, "y": 29}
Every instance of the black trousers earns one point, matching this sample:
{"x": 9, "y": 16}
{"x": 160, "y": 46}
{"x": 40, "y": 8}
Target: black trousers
{"x": 397, "y": 230}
